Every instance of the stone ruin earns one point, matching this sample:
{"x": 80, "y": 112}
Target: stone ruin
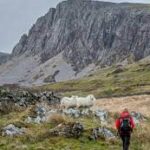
{"x": 24, "y": 98}
{"x": 12, "y": 130}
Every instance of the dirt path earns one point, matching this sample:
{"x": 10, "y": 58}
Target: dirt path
{"x": 140, "y": 103}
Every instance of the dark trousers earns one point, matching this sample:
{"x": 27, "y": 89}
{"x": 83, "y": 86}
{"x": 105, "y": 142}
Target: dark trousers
{"x": 125, "y": 141}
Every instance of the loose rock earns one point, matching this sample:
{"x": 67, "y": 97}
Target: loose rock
{"x": 74, "y": 130}
{"x": 137, "y": 117}
{"x": 101, "y": 132}
{"x": 12, "y": 130}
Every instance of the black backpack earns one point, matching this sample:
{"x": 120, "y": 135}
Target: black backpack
{"x": 125, "y": 126}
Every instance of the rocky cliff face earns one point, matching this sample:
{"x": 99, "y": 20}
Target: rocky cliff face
{"x": 3, "y": 57}
{"x": 87, "y": 33}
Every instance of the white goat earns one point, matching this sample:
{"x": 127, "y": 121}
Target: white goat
{"x": 68, "y": 102}
{"x": 85, "y": 101}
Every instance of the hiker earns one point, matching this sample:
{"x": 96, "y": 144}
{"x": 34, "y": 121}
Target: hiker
{"x": 125, "y": 125}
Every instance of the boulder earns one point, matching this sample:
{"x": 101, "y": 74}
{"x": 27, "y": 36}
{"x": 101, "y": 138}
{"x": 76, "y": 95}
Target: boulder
{"x": 22, "y": 102}
{"x": 12, "y": 130}
{"x": 41, "y": 111}
{"x": 137, "y": 117}
{"x": 101, "y": 133}
{"x": 86, "y": 112}
{"x": 72, "y": 112}
{"x": 42, "y": 114}
{"x": 49, "y": 97}
{"x": 74, "y": 130}
{"x": 102, "y": 115}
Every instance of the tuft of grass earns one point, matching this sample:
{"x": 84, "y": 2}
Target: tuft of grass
{"x": 57, "y": 119}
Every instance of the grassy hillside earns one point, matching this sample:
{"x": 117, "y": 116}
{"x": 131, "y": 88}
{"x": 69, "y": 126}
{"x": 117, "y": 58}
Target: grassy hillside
{"x": 114, "y": 81}
{"x": 38, "y": 137}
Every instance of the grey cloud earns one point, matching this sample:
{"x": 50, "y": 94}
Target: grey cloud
{"x": 131, "y": 1}
{"x": 17, "y": 16}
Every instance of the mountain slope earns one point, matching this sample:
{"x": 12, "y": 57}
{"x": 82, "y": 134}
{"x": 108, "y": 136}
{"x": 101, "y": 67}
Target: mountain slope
{"x": 3, "y": 57}
{"x": 86, "y": 34}
{"x": 133, "y": 79}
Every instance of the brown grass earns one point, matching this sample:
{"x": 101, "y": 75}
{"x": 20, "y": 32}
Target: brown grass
{"x": 8, "y": 107}
{"x": 57, "y": 119}
{"x": 140, "y": 103}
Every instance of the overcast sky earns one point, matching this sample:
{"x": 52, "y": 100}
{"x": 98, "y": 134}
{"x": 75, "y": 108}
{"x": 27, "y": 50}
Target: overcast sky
{"x": 17, "y": 17}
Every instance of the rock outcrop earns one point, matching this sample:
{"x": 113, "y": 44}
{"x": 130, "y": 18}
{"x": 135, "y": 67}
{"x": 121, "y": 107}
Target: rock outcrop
{"x": 138, "y": 117}
{"x": 102, "y": 133}
{"x": 89, "y": 32}
{"x": 12, "y": 130}
{"x": 15, "y": 99}
{"x": 72, "y": 129}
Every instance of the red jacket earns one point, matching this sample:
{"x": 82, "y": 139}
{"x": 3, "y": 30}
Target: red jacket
{"x": 124, "y": 115}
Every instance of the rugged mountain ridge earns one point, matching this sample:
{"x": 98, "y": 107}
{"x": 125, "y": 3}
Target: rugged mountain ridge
{"x": 83, "y": 34}
{"x": 89, "y": 31}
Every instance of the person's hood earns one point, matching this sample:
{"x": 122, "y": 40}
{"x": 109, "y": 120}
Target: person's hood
{"x": 124, "y": 114}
